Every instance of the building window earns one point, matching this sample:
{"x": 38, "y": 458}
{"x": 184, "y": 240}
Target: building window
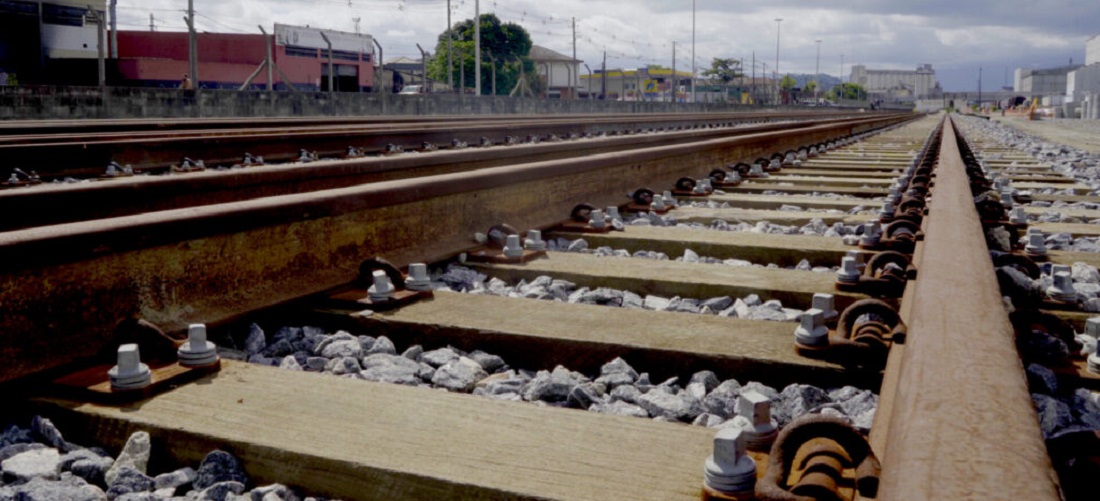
{"x": 62, "y": 15}
{"x": 342, "y": 55}
{"x": 296, "y": 51}
{"x": 16, "y": 7}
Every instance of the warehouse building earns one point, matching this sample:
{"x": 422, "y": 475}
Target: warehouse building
{"x": 897, "y": 85}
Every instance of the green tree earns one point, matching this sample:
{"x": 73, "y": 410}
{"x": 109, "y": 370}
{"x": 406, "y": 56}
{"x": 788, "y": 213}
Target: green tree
{"x": 787, "y": 82}
{"x": 505, "y": 44}
{"x": 849, "y": 90}
{"x": 811, "y": 86}
{"x": 724, "y": 70}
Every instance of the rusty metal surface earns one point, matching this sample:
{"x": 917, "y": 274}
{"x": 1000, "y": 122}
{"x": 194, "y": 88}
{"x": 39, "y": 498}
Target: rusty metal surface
{"x": 67, "y": 286}
{"x": 125, "y": 196}
{"x": 962, "y": 424}
{"x": 87, "y": 154}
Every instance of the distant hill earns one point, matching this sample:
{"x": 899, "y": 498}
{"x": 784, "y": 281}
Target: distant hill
{"x": 826, "y": 81}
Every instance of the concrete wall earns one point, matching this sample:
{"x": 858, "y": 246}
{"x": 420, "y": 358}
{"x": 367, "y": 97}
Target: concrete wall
{"x": 39, "y": 102}
{"x": 1092, "y": 50}
{"x": 1083, "y": 81}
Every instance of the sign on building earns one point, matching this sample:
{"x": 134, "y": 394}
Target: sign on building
{"x": 304, "y": 36}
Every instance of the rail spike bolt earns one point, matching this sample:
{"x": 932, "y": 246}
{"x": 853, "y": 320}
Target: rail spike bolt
{"x": 757, "y": 170}
{"x": 596, "y": 219}
{"x": 130, "y": 373}
{"x": 849, "y": 271}
{"x": 826, "y": 303}
{"x": 534, "y": 241}
{"x": 1092, "y": 327}
{"x": 197, "y": 351}
{"x": 729, "y": 470}
{"x": 1036, "y": 244}
{"x": 1018, "y": 216}
{"x": 512, "y": 247}
{"x": 811, "y": 330}
{"x": 382, "y": 289}
{"x": 754, "y": 417}
{"x": 1062, "y": 288}
{"x": 872, "y": 234}
{"x": 1093, "y": 362}
{"x": 418, "y": 279}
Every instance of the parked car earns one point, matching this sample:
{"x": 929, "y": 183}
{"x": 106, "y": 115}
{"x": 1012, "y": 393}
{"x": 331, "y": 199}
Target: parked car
{"x": 412, "y": 89}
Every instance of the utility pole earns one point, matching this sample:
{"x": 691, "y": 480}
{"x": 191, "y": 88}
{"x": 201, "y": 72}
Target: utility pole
{"x": 99, "y": 40}
{"x": 114, "y": 29}
{"x": 381, "y": 66}
{"x": 817, "y": 69}
{"x": 778, "y": 23}
{"x": 423, "y": 67}
{"x": 574, "y": 62}
{"x": 603, "y": 77}
{"x": 979, "y": 89}
{"x": 152, "y": 27}
{"x": 331, "y": 89}
{"x": 692, "y": 51}
{"x": 193, "y": 46}
{"x": 450, "y": 51}
{"x": 477, "y": 47}
{"x": 675, "y": 84}
{"x": 754, "y": 98}
{"x": 270, "y": 61}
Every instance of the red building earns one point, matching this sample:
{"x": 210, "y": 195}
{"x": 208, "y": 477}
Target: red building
{"x": 160, "y": 59}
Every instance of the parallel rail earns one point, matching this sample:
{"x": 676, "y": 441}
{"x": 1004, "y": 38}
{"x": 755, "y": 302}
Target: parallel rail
{"x": 85, "y": 153}
{"x": 955, "y": 420}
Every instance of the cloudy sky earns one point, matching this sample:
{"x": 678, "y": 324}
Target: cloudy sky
{"x": 955, "y": 36}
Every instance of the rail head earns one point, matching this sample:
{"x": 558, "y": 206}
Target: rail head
{"x": 962, "y": 422}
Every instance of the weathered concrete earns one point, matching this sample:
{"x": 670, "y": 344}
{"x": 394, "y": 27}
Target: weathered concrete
{"x": 352, "y": 439}
{"x": 672, "y": 278}
{"x": 533, "y": 334}
{"x": 39, "y": 102}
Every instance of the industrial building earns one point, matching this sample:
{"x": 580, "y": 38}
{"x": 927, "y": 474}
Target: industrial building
{"x": 54, "y": 41}
{"x": 1046, "y": 81}
{"x": 897, "y": 85}
{"x": 226, "y": 60}
{"x": 1083, "y": 84}
{"x": 558, "y": 71}
{"x": 58, "y": 42}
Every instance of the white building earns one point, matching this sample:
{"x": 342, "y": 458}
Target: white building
{"x": 558, "y": 71}
{"x": 1046, "y": 81}
{"x": 37, "y": 37}
{"x": 897, "y": 84}
{"x": 1083, "y": 83}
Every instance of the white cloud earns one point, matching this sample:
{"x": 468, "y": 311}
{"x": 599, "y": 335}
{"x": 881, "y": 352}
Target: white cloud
{"x": 951, "y": 35}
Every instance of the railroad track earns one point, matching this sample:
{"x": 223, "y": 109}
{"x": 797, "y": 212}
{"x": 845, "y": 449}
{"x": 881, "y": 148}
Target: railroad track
{"x": 85, "y": 149}
{"x": 929, "y": 338}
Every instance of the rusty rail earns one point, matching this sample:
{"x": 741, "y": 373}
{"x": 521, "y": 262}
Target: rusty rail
{"x": 71, "y": 284}
{"x": 962, "y": 423}
{"x": 49, "y": 205}
{"x": 87, "y": 154}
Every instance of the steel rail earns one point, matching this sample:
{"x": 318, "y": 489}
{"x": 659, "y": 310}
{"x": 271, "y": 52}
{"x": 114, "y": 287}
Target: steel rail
{"x": 962, "y": 424}
{"x": 47, "y": 205}
{"x": 39, "y": 127}
{"x": 88, "y": 155}
{"x": 72, "y": 284}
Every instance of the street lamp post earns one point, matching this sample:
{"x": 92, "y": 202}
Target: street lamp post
{"x": 589, "y": 80}
{"x": 692, "y": 51}
{"x": 778, "y": 22}
{"x": 817, "y": 69}
{"x": 477, "y": 48}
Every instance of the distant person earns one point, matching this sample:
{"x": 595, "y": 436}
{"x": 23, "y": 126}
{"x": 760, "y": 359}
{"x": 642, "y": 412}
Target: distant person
{"x": 185, "y": 84}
